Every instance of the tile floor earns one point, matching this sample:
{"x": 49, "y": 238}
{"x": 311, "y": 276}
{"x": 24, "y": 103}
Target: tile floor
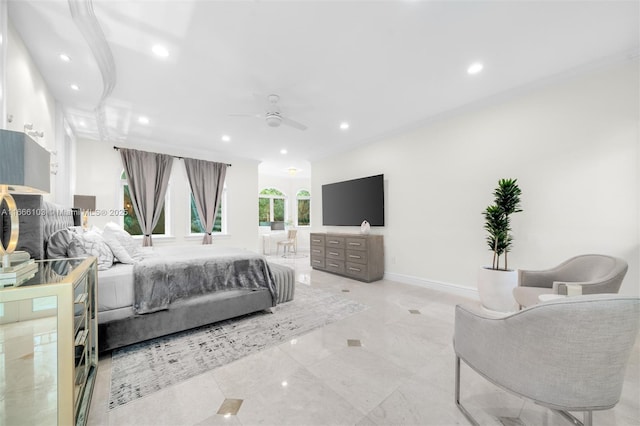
{"x": 392, "y": 364}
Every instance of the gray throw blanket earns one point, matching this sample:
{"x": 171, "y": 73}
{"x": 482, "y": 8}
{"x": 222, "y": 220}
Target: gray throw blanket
{"x": 171, "y": 274}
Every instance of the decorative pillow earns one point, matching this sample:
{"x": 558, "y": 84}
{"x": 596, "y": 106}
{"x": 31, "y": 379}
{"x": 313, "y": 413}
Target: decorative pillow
{"x": 91, "y": 244}
{"x": 58, "y": 244}
{"x": 124, "y": 247}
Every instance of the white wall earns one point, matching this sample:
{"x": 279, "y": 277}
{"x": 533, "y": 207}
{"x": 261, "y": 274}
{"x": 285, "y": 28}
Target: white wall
{"x": 29, "y": 100}
{"x": 289, "y": 185}
{"x": 572, "y": 145}
{"x": 98, "y": 172}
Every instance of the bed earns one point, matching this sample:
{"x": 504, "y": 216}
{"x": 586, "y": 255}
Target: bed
{"x": 167, "y": 289}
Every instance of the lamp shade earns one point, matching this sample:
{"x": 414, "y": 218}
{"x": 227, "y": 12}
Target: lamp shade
{"x": 24, "y": 164}
{"x": 84, "y": 202}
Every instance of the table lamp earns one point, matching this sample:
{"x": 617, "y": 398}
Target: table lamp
{"x": 86, "y": 204}
{"x": 24, "y": 169}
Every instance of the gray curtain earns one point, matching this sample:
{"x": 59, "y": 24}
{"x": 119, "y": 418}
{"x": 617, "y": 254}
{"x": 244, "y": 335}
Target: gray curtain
{"x": 206, "y": 179}
{"x": 148, "y": 178}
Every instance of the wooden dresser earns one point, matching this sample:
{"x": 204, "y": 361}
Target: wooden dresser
{"x": 356, "y": 256}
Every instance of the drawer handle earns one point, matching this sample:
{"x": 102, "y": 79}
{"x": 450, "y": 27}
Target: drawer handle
{"x": 353, "y": 256}
{"x": 333, "y": 253}
{"x": 355, "y": 244}
{"x": 334, "y": 265}
{"x": 316, "y": 251}
{"x": 316, "y": 241}
{"x": 355, "y": 269}
{"x": 334, "y": 242}
{"x": 316, "y": 261}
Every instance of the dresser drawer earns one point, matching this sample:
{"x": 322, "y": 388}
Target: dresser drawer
{"x": 335, "y": 242}
{"x": 356, "y": 256}
{"x": 317, "y": 251}
{"x": 354, "y": 243}
{"x": 317, "y": 240}
{"x": 336, "y": 266}
{"x": 334, "y": 253}
{"x": 317, "y": 262}
{"x": 356, "y": 270}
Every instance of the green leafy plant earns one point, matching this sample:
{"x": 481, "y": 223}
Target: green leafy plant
{"x": 498, "y": 222}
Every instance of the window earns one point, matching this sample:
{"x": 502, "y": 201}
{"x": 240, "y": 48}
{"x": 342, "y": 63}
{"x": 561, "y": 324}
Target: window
{"x": 303, "y": 198}
{"x": 219, "y": 226}
{"x": 271, "y": 206}
{"x": 131, "y": 224}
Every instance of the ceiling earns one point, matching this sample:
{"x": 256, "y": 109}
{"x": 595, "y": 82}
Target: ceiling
{"x": 382, "y": 66}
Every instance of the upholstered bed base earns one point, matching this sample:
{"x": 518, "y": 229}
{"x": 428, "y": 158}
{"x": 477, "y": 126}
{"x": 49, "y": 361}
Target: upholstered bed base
{"x": 181, "y": 316}
{"x": 195, "y": 312}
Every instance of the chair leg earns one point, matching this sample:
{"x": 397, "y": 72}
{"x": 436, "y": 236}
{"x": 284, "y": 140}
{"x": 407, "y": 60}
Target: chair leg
{"x": 588, "y": 417}
{"x": 457, "y": 391}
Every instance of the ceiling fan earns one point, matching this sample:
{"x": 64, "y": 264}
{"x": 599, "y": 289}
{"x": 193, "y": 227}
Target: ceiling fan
{"x": 272, "y": 115}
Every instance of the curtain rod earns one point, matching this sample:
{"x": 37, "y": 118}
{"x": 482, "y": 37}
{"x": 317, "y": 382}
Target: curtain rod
{"x": 174, "y": 156}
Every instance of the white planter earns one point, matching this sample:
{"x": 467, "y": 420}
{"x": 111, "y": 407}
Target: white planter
{"x": 495, "y": 288}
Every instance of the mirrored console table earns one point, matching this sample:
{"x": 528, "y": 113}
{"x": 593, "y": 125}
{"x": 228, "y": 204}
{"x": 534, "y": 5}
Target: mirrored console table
{"x": 48, "y": 337}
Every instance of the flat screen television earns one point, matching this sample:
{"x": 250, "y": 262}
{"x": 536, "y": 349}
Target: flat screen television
{"x": 350, "y": 202}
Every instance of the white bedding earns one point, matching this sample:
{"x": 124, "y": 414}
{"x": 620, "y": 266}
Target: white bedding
{"x": 115, "y": 287}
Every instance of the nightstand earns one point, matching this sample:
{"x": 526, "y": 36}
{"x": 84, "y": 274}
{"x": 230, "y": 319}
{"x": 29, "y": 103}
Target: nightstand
{"x": 48, "y": 334}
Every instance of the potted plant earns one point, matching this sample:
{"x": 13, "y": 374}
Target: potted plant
{"x": 496, "y": 284}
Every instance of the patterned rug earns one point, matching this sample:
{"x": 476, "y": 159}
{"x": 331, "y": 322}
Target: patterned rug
{"x": 141, "y": 369}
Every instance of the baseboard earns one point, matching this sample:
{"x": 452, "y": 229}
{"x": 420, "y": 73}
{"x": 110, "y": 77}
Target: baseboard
{"x": 433, "y": 285}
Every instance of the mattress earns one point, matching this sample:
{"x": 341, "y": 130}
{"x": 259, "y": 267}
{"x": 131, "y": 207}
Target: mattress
{"x": 115, "y": 287}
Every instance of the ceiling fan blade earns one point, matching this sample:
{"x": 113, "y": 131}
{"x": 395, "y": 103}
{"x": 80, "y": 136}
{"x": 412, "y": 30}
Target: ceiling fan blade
{"x": 245, "y": 115}
{"x": 294, "y": 124}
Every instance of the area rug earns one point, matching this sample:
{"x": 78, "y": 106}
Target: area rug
{"x": 141, "y": 369}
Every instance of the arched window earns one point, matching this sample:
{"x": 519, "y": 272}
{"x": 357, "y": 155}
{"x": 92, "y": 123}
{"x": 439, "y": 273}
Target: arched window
{"x": 271, "y": 206}
{"x": 131, "y": 224}
{"x": 220, "y": 224}
{"x": 303, "y": 200}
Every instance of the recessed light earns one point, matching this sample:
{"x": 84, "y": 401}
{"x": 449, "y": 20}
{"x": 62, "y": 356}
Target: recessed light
{"x": 226, "y": 138}
{"x": 475, "y": 68}
{"x": 65, "y": 58}
{"x": 344, "y": 125}
{"x": 284, "y": 383}
{"x": 143, "y": 120}
{"x": 82, "y": 123}
{"x": 160, "y": 51}
{"x": 75, "y": 87}
{"x": 283, "y": 151}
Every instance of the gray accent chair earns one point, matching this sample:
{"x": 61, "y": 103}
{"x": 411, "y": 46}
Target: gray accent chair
{"x": 587, "y": 273}
{"x": 569, "y": 354}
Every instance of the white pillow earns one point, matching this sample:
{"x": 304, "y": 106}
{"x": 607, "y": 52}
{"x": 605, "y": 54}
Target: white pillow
{"x": 91, "y": 243}
{"x": 124, "y": 247}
